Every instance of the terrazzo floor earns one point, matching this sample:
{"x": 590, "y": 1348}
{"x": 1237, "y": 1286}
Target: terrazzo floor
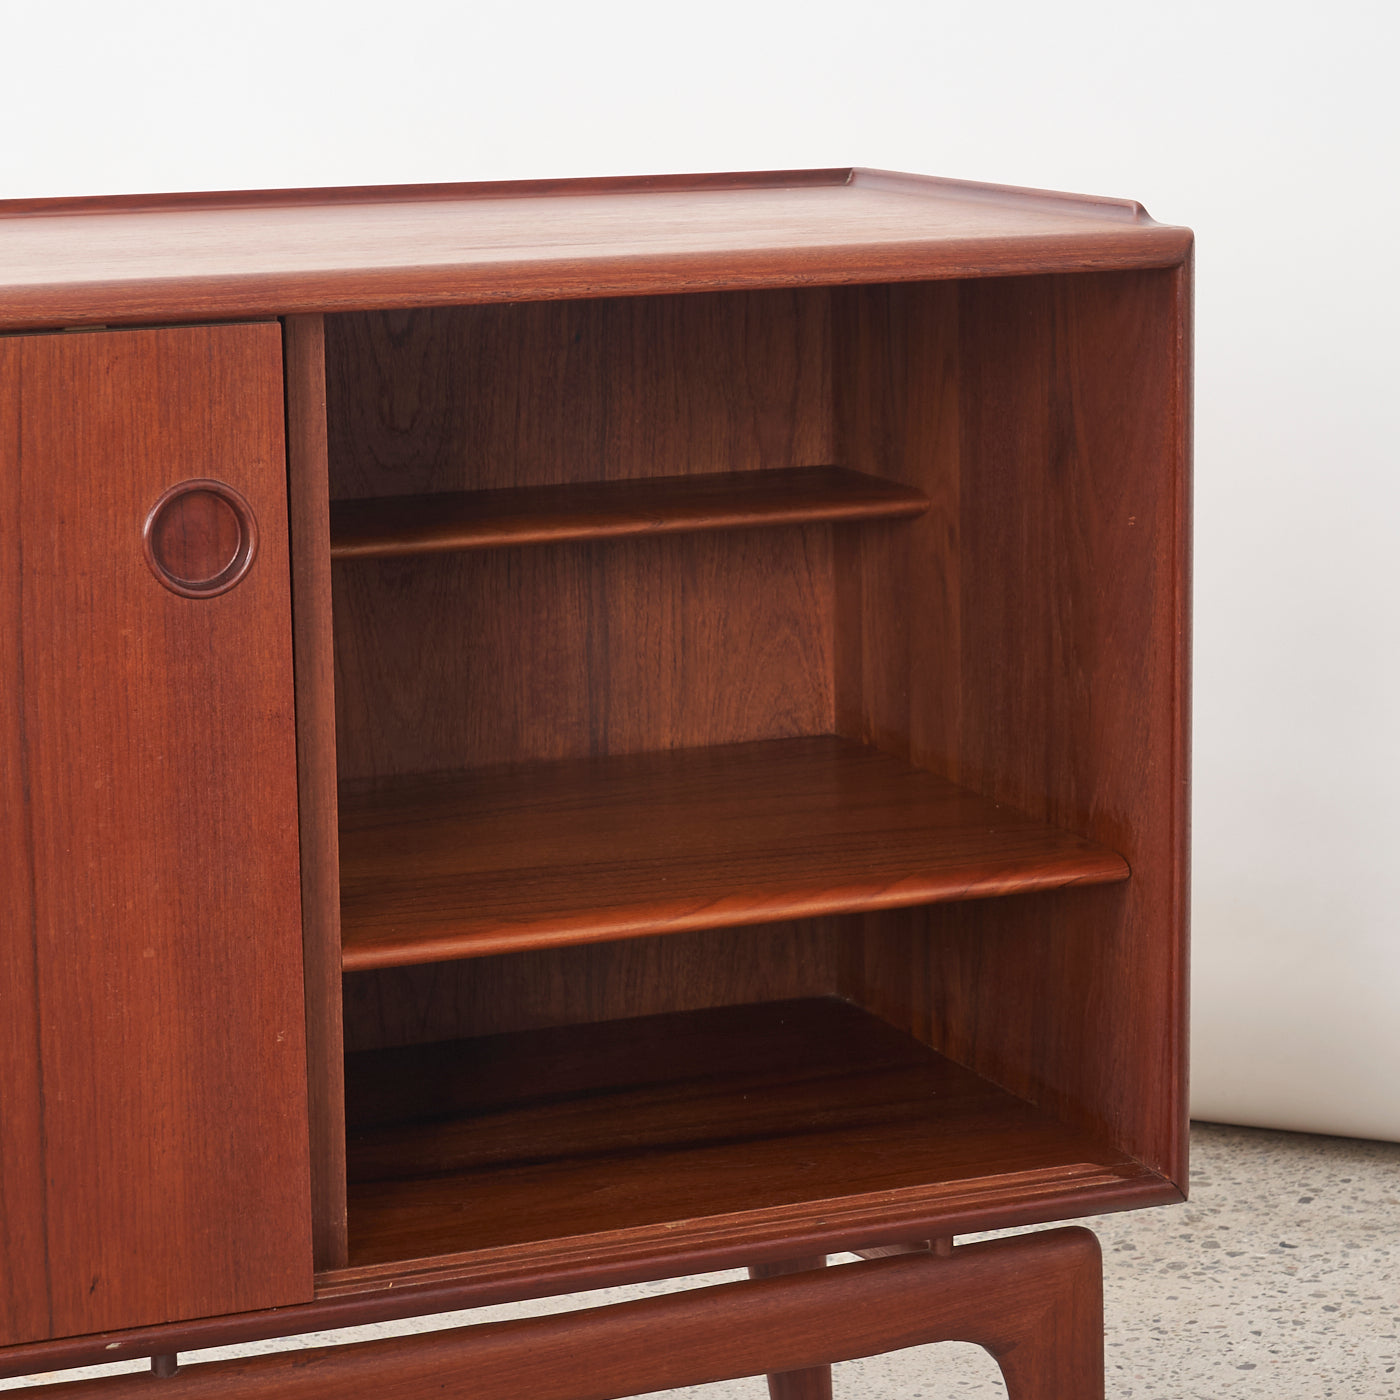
{"x": 1279, "y": 1279}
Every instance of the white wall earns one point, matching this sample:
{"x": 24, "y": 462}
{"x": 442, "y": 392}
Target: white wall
{"x": 1269, "y": 127}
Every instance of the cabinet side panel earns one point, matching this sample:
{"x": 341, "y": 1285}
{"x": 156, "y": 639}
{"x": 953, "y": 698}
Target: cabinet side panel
{"x": 162, "y": 795}
{"x": 24, "y": 1283}
{"x": 1068, "y": 700}
{"x": 308, "y": 510}
{"x": 1074, "y": 684}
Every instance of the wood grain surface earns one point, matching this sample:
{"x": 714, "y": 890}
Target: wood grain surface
{"x": 355, "y": 1297}
{"x": 308, "y": 506}
{"x": 537, "y": 746}
{"x": 497, "y": 860}
{"x": 812, "y": 1382}
{"x": 590, "y": 982}
{"x": 25, "y": 1310}
{"x": 1035, "y": 1302}
{"x": 1047, "y": 421}
{"x": 636, "y": 1125}
{"x": 585, "y": 648}
{"x": 474, "y": 398}
{"x": 153, "y": 941}
{"x": 286, "y": 252}
{"x": 398, "y": 526}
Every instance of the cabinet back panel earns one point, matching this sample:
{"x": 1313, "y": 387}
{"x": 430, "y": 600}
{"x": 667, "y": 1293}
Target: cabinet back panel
{"x": 150, "y": 926}
{"x": 476, "y": 397}
{"x": 898, "y": 619}
{"x": 577, "y": 650}
{"x": 570, "y": 651}
{"x": 591, "y": 982}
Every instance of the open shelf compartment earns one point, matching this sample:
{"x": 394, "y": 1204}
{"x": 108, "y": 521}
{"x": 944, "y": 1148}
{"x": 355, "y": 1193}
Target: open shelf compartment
{"x": 585, "y": 696}
{"x": 535, "y": 855}
{"x": 679, "y": 1125}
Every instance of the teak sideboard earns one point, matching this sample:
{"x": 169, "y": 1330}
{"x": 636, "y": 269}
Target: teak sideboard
{"x": 568, "y": 733}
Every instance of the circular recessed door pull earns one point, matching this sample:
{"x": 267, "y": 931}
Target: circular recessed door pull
{"x": 200, "y": 537}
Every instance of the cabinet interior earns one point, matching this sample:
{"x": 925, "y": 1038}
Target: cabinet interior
{"x": 744, "y": 787}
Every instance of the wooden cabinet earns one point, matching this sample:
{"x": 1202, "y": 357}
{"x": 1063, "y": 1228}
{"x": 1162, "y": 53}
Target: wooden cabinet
{"x": 734, "y": 805}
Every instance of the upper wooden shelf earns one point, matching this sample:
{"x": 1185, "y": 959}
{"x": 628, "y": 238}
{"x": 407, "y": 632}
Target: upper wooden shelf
{"x": 402, "y": 525}
{"x": 533, "y": 855}
{"x": 188, "y": 257}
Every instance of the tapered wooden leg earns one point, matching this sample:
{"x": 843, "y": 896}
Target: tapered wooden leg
{"x": 1055, "y": 1352}
{"x": 812, "y": 1382}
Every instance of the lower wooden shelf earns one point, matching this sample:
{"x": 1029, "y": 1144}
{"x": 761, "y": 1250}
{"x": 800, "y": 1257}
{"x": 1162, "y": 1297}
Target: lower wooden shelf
{"x": 677, "y": 1133}
{"x": 534, "y": 855}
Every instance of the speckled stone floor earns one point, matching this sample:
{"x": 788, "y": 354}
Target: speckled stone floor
{"x": 1280, "y": 1279}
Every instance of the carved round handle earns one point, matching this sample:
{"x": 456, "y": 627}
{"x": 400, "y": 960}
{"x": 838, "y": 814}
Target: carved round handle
{"x": 200, "y": 537}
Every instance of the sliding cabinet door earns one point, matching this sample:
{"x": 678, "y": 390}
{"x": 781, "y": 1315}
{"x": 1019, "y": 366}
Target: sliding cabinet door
{"x": 153, "y": 1139}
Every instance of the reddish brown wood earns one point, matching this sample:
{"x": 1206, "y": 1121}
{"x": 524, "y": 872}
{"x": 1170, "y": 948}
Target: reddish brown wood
{"x": 899, "y": 625}
{"x": 592, "y": 982}
{"x": 284, "y": 252}
{"x": 1034, "y": 1301}
{"x": 582, "y": 649}
{"x": 518, "y": 857}
{"x": 484, "y": 189}
{"x": 1108, "y": 206}
{"x": 1048, "y": 670}
{"x": 25, "y": 1310}
{"x": 813, "y": 1383}
{"x": 630, "y": 1128}
{"x": 778, "y": 1268}
{"x": 1023, "y": 637}
{"x": 354, "y": 1297}
{"x": 400, "y": 526}
{"x": 473, "y": 398}
{"x": 309, "y": 527}
{"x": 942, "y": 1247}
{"x": 587, "y": 649}
{"x": 544, "y": 1268}
{"x": 201, "y": 538}
{"x": 160, "y": 1107}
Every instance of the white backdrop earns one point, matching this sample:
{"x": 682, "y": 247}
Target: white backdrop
{"x": 1269, "y": 127}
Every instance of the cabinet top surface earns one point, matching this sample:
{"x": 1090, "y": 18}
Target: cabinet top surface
{"x": 126, "y": 259}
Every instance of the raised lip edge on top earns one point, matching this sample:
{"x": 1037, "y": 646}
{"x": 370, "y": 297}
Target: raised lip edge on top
{"x": 1119, "y": 210}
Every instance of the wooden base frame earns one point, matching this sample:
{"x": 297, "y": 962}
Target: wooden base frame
{"x": 1035, "y": 1302}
